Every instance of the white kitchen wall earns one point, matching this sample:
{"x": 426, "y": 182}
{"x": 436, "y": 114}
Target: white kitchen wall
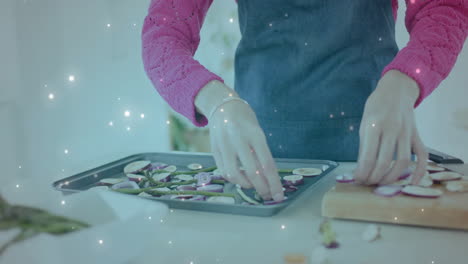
{"x": 80, "y": 70}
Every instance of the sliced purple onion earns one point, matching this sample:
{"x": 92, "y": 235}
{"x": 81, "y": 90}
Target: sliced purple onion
{"x": 137, "y": 166}
{"x": 171, "y": 168}
{"x": 405, "y": 174}
{"x": 182, "y": 196}
{"x": 345, "y": 178}
{"x": 418, "y": 191}
{"x": 162, "y": 177}
{"x": 445, "y": 176}
{"x": 272, "y": 202}
{"x": 158, "y": 166}
{"x": 290, "y": 188}
{"x": 186, "y": 188}
{"x": 203, "y": 178}
{"x": 184, "y": 177}
{"x": 125, "y": 185}
{"x": 211, "y": 188}
{"x": 194, "y": 166}
{"x": 307, "y": 172}
{"x": 388, "y": 190}
{"x": 110, "y": 181}
{"x": 198, "y": 198}
{"x": 434, "y": 168}
{"x": 136, "y": 177}
{"x": 293, "y": 180}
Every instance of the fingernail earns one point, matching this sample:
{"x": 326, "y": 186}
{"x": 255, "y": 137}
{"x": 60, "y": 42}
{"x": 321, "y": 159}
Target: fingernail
{"x": 278, "y": 197}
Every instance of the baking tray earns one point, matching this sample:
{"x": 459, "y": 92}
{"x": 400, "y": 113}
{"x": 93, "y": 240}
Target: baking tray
{"x": 90, "y": 178}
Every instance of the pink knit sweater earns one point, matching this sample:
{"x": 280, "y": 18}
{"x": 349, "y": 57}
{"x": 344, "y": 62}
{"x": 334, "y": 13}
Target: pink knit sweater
{"x": 171, "y": 35}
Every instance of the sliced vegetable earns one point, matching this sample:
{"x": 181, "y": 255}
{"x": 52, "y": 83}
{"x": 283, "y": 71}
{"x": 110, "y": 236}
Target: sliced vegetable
{"x": 211, "y": 188}
{"x": 203, "y": 178}
{"x": 425, "y": 181}
{"x": 182, "y": 196}
{"x": 186, "y": 188}
{"x": 345, "y": 178}
{"x": 125, "y": 185}
{"x": 272, "y": 202}
{"x": 290, "y": 188}
{"x": 198, "y": 198}
{"x": 371, "y": 233}
{"x": 144, "y": 194}
{"x": 136, "y": 177}
{"x": 184, "y": 177}
{"x": 293, "y": 180}
{"x": 162, "y": 177}
{"x": 307, "y": 172}
{"x": 158, "y": 166}
{"x": 221, "y": 199}
{"x": 104, "y": 188}
{"x": 457, "y": 186}
{"x": 111, "y": 181}
{"x": 328, "y": 236}
{"x": 445, "y": 176}
{"x": 388, "y": 190}
{"x": 194, "y": 166}
{"x": 419, "y": 191}
{"x": 431, "y": 167}
{"x": 171, "y": 168}
{"x": 137, "y": 166}
{"x": 245, "y": 196}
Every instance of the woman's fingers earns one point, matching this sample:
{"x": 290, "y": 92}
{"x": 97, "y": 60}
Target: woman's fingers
{"x": 253, "y": 173}
{"x": 217, "y": 154}
{"x": 268, "y": 166}
{"x": 384, "y": 159}
{"x": 368, "y": 153}
{"x": 232, "y": 171}
{"x": 422, "y": 156}
{"x": 403, "y": 160}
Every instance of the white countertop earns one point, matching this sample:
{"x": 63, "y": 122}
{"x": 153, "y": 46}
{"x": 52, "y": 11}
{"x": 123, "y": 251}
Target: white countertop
{"x": 200, "y": 237}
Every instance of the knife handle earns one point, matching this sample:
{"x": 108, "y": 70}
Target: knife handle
{"x": 440, "y": 157}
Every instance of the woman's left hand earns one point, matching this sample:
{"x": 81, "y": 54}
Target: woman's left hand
{"x": 388, "y": 127}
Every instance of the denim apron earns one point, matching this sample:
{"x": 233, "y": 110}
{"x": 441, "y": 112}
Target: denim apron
{"x": 307, "y": 67}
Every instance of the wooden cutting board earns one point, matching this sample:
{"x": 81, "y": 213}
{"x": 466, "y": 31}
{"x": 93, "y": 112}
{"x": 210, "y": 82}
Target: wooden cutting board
{"x": 350, "y": 201}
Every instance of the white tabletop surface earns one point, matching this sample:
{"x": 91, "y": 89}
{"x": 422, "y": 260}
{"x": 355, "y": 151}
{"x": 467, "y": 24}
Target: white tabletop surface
{"x": 201, "y": 237}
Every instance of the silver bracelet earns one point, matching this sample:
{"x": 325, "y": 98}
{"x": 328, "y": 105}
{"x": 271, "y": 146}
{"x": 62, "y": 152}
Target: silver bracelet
{"x": 225, "y": 100}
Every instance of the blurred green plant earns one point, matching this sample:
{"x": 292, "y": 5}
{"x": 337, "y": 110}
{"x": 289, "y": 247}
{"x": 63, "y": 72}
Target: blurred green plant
{"x": 33, "y": 221}
{"x": 185, "y": 137}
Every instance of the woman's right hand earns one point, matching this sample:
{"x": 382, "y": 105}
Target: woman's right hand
{"x": 237, "y": 140}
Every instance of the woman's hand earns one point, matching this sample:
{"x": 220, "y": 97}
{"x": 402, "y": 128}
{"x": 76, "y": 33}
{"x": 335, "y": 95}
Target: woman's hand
{"x": 388, "y": 127}
{"x": 237, "y": 140}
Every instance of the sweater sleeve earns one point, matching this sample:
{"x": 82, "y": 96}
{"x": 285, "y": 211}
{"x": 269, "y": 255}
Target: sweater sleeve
{"x": 170, "y": 37}
{"x": 438, "y": 30}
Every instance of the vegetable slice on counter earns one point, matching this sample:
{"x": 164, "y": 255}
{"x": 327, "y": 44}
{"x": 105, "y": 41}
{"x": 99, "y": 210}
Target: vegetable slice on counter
{"x": 293, "y": 180}
{"x": 457, "y": 186}
{"x": 419, "y": 191}
{"x": 137, "y": 166}
{"x": 328, "y": 236}
{"x": 345, "y": 178}
{"x": 194, "y": 166}
{"x": 445, "y": 176}
{"x": 307, "y": 172}
{"x": 371, "y": 233}
{"x": 388, "y": 190}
